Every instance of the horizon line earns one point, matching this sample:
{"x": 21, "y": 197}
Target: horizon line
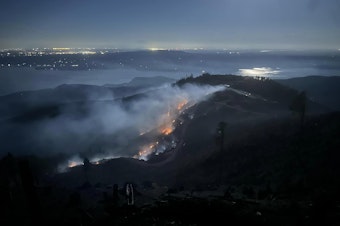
{"x": 263, "y": 50}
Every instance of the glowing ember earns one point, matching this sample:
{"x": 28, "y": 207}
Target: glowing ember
{"x": 182, "y": 104}
{"x": 166, "y": 127}
{"x": 73, "y": 164}
{"x": 145, "y": 152}
{"x": 167, "y": 130}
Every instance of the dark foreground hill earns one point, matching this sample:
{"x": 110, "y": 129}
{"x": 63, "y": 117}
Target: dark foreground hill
{"x": 274, "y": 174}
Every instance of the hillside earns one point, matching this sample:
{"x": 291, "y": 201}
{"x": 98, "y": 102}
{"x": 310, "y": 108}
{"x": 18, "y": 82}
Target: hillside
{"x": 268, "y": 165}
{"x": 322, "y": 89}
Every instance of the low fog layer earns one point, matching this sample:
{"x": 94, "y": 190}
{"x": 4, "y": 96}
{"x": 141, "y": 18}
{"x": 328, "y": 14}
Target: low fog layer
{"x": 100, "y": 128}
{"x": 25, "y": 79}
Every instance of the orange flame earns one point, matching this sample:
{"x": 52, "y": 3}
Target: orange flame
{"x": 182, "y": 104}
{"x": 167, "y": 130}
{"x": 166, "y": 126}
{"x": 145, "y": 152}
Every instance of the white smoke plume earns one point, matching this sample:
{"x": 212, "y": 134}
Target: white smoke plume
{"x": 107, "y": 128}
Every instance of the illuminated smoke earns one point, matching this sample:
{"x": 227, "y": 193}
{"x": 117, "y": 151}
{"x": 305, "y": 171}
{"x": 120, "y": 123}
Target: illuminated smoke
{"x": 166, "y": 124}
{"x": 146, "y": 151}
{"x": 119, "y": 124}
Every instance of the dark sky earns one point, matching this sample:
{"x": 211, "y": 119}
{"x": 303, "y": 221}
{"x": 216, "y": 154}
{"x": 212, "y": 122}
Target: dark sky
{"x": 246, "y": 24}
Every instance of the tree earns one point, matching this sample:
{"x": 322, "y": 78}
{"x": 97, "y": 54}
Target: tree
{"x": 87, "y": 166}
{"x": 298, "y": 106}
{"x": 220, "y": 133}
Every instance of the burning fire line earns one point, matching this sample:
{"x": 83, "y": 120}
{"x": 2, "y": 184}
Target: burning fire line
{"x": 166, "y": 128}
{"x": 146, "y": 151}
{"x": 77, "y": 161}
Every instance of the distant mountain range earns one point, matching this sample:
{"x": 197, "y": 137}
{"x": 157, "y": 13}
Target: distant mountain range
{"x": 20, "y": 102}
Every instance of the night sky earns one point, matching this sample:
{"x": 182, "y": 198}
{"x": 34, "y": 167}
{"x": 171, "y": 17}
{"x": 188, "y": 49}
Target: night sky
{"x": 230, "y": 24}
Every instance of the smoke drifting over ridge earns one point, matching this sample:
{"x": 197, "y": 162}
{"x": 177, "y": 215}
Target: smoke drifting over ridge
{"x": 100, "y": 128}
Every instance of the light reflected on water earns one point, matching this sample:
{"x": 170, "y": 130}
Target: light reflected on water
{"x": 260, "y": 71}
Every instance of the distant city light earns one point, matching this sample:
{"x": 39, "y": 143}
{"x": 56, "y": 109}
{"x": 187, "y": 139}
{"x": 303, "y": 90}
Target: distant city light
{"x": 60, "y": 48}
{"x": 155, "y": 49}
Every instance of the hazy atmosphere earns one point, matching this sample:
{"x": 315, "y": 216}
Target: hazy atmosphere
{"x": 169, "y": 112}
{"x": 131, "y": 24}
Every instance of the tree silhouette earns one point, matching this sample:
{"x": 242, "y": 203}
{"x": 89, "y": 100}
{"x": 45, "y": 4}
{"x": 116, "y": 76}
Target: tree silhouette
{"x": 220, "y": 141}
{"x": 87, "y": 166}
{"x": 298, "y": 106}
{"x": 220, "y": 134}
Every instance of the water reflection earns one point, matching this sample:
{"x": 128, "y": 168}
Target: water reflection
{"x": 259, "y": 71}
